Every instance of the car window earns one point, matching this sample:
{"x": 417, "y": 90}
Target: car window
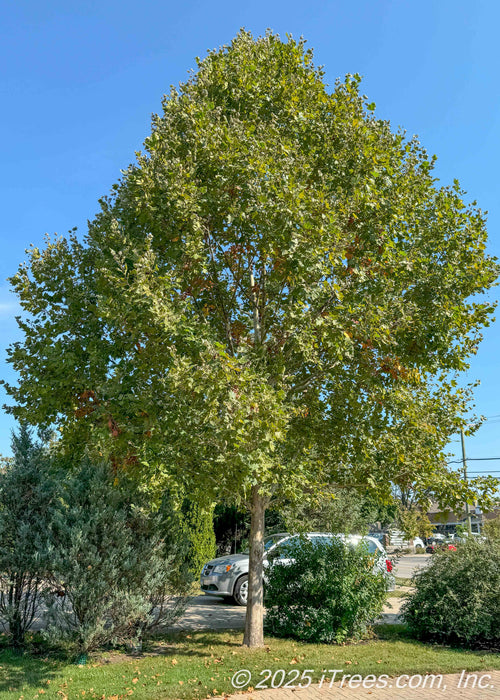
{"x": 285, "y": 550}
{"x": 320, "y": 539}
{"x": 372, "y": 547}
{"x": 272, "y": 540}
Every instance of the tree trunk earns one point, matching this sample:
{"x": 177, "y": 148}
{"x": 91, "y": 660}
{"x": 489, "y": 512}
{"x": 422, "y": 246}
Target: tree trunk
{"x": 254, "y": 623}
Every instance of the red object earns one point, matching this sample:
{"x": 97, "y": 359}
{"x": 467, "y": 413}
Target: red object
{"x": 452, "y": 547}
{"x": 388, "y": 564}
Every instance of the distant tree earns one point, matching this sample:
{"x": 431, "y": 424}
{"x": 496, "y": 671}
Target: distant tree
{"x": 462, "y": 530}
{"x": 337, "y": 510}
{"x": 277, "y": 295}
{"x": 199, "y": 524}
{"x": 413, "y": 522}
{"x": 491, "y": 528}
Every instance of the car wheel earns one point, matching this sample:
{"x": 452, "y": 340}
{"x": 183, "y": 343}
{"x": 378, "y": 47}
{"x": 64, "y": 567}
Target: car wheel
{"x": 240, "y": 594}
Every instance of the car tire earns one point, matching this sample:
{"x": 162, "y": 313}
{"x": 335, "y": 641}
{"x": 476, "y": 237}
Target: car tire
{"x": 240, "y": 594}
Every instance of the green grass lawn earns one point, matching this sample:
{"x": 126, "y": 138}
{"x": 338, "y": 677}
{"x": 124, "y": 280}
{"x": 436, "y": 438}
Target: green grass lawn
{"x": 398, "y": 593}
{"x": 403, "y": 581}
{"x": 201, "y": 664}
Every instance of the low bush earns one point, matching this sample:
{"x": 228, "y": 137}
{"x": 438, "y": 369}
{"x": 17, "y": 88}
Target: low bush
{"x": 327, "y": 592}
{"x": 457, "y": 597}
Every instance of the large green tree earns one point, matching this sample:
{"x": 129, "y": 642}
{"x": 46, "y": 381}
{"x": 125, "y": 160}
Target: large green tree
{"x": 276, "y": 294}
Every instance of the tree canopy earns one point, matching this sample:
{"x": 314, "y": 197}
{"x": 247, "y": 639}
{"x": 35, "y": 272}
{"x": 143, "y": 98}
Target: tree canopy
{"x": 276, "y": 293}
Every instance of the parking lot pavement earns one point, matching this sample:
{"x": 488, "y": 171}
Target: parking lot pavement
{"x": 409, "y": 564}
{"x": 207, "y": 612}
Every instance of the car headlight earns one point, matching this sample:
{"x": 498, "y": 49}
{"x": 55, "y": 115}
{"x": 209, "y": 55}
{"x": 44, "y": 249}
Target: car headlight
{"x": 222, "y": 568}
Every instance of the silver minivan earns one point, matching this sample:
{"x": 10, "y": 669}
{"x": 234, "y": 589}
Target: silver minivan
{"x": 228, "y": 576}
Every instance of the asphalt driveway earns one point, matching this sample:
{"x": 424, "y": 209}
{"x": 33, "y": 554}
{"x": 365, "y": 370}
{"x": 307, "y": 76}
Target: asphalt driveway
{"x": 409, "y": 564}
{"x": 210, "y": 612}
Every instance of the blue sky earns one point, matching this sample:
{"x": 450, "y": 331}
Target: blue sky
{"x": 81, "y": 79}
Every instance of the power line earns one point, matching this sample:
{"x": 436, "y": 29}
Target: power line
{"x": 481, "y": 459}
{"x": 497, "y": 471}
{"x": 473, "y": 459}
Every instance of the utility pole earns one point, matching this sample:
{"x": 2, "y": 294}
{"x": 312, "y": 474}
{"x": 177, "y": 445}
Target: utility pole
{"x": 467, "y": 511}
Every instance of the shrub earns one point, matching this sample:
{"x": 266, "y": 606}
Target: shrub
{"x": 457, "y": 597}
{"x": 200, "y": 532}
{"x": 26, "y": 503}
{"x": 328, "y": 593}
{"x": 120, "y": 568}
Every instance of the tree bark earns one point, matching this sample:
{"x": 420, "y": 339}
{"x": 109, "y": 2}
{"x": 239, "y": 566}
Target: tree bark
{"x": 254, "y": 623}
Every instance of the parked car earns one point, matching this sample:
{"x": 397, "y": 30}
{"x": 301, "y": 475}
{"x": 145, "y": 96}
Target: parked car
{"x": 432, "y": 547}
{"x": 228, "y": 576}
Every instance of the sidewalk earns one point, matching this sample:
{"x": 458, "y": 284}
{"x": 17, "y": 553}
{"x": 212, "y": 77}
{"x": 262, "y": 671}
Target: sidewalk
{"x": 466, "y": 686}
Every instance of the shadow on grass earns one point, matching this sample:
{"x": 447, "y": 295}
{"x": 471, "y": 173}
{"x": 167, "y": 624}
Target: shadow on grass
{"x": 175, "y": 644}
{"x": 20, "y": 669}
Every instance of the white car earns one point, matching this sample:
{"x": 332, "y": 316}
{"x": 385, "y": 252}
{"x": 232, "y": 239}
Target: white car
{"x": 228, "y": 576}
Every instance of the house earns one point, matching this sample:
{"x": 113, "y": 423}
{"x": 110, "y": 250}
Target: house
{"x": 445, "y": 521}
